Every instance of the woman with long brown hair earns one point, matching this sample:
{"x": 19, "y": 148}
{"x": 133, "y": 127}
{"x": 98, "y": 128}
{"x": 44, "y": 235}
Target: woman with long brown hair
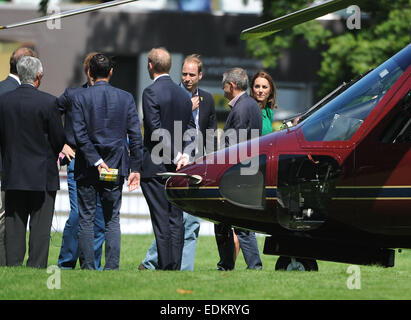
{"x": 263, "y": 90}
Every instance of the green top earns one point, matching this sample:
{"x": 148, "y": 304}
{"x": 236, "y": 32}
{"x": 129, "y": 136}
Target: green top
{"x": 268, "y": 116}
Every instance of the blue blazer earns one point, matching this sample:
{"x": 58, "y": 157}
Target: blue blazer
{"x": 164, "y": 103}
{"x": 103, "y": 117}
{"x": 245, "y": 114}
{"x": 65, "y": 105}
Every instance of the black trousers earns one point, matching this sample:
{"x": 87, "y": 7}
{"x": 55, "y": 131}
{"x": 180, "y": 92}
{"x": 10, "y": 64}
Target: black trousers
{"x": 20, "y": 205}
{"x": 167, "y": 223}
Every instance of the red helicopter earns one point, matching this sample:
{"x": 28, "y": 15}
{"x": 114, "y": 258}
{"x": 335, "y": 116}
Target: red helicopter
{"x": 334, "y": 187}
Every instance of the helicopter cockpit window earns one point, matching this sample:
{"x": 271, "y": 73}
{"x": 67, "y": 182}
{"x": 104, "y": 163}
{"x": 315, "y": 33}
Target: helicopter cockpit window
{"x": 339, "y": 119}
{"x": 244, "y": 183}
{"x": 399, "y": 129}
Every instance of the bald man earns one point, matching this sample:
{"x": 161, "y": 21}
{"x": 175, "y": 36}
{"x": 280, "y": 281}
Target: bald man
{"x": 12, "y": 82}
{"x": 166, "y": 106}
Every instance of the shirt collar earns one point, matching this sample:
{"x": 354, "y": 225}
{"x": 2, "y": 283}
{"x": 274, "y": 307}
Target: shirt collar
{"x": 101, "y": 83}
{"x": 161, "y": 75}
{"x": 28, "y": 85}
{"x": 189, "y": 92}
{"x": 15, "y": 77}
{"x": 234, "y": 100}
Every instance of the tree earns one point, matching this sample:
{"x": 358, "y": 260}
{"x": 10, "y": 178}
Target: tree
{"x": 384, "y": 31}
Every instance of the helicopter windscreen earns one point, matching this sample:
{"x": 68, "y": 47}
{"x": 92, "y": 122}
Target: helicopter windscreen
{"x": 340, "y": 118}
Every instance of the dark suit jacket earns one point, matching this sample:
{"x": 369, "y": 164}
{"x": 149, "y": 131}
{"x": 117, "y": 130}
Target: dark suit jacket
{"x": 245, "y": 114}
{"x": 31, "y": 137}
{"x": 103, "y": 116}
{"x": 207, "y": 119}
{"x": 164, "y": 102}
{"x": 65, "y": 105}
{"x": 7, "y": 85}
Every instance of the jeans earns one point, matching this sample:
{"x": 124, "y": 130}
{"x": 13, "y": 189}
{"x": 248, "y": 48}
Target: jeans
{"x": 249, "y": 246}
{"x": 69, "y": 251}
{"x": 110, "y": 197}
{"x": 191, "y": 230}
{"x": 225, "y": 244}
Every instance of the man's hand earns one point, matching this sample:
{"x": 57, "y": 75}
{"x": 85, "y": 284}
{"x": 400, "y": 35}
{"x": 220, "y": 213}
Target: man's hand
{"x": 68, "y": 152}
{"x": 196, "y": 102}
{"x": 296, "y": 121}
{"x": 184, "y": 160}
{"x": 133, "y": 181}
{"x": 101, "y": 166}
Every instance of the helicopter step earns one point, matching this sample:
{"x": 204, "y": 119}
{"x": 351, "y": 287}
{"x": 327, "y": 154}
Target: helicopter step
{"x": 307, "y": 248}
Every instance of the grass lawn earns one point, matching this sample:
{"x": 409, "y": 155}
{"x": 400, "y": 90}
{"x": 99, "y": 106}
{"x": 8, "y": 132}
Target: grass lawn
{"x": 205, "y": 283}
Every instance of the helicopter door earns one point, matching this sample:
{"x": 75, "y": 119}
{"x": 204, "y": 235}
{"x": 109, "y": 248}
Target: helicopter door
{"x": 305, "y": 187}
{"x": 383, "y": 165}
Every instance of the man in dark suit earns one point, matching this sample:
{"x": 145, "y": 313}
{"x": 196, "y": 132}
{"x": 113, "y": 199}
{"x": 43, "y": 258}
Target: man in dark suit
{"x": 103, "y": 118}
{"x": 245, "y": 115}
{"x": 167, "y": 114}
{"x": 31, "y": 137}
{"x": 12, "y": 82}
{"x": 204, "y": 116}
{"x": 69, "y": 246}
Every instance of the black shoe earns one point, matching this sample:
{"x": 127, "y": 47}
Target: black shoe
{"x": 142, "y": 267}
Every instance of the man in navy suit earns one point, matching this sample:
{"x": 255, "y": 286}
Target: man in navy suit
{"x": 12, "y": 82}
{"x": 244, "y": 115}
{"x": 167, "y": 113}
{"x": 31, "y": 137}
{"x": 69, "y": 247}
{"x": 203, "y": 110}
{"x": 103, "y": 118}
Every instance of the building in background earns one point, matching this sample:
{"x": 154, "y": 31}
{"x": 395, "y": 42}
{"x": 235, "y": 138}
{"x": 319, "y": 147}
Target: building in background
{"x": 209, "y": 27}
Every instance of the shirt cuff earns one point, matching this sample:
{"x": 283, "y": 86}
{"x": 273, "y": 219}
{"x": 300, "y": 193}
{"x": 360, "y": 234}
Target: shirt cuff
{"x": 98, "y": 163}
{"x": 179, "y": 156}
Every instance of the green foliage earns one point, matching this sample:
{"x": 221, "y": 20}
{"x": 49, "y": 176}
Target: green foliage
{"x": 385, "y": 31}
{"x": 270, "y": 48}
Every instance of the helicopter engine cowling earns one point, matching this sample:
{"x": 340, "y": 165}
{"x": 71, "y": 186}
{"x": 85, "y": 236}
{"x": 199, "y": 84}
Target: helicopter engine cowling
{"x": 305, "y": 189}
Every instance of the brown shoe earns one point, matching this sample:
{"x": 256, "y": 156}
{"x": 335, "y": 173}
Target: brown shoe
{"x": 142, "y": 267}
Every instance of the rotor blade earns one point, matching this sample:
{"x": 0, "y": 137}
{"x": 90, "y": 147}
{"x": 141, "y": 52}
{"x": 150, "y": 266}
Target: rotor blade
{"x": 295, "y": 18}
{"x": 67, "y": 13}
